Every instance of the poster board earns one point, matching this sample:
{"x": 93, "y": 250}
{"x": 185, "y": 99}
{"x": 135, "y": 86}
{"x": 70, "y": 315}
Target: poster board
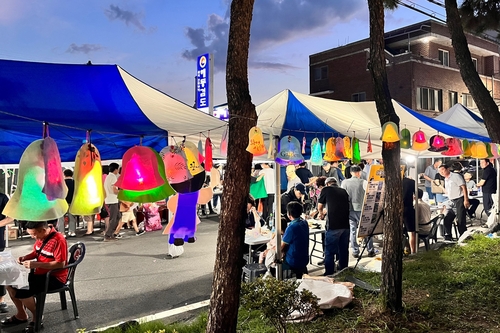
{"x": 373, "y": 203}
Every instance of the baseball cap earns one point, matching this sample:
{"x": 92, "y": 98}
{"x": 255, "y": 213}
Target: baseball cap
{"x": 301, "y": 188}
{"x": 330, "y": 180}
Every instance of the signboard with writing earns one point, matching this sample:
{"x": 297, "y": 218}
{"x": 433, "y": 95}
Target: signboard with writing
{"x": 373, "y": 204}
{"x": 203, "y": 83}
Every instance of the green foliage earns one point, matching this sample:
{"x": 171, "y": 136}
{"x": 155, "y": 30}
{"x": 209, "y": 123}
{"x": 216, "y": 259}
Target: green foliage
{"x": 277, "y": 300}
{"x": 480, "y": 15}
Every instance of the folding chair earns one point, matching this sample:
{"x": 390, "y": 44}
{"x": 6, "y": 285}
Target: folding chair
{"x": 76, "y": 255}
{"x": 432, "y": 233}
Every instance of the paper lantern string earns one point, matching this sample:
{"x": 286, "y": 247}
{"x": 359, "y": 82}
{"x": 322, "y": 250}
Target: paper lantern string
{"x": 45, "y": 132}
{"x": 304, "y": 141}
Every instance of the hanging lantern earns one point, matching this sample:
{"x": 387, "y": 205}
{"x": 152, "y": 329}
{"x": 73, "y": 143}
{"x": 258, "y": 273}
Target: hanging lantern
{"x": 289, "y": 151}
{"x": 208, "y": 154}
{"x": 223, "y": 142}
{"x": 454, "y": 147}
{"x": 478, "y": 150}
{"x": 488, "y": 150}
{"x": 323, "y": 147}
{"x": 304, "y": 142}
{"x": 316, "y": 156}
{"x": 193, "y": 157}
{"x": 140, "y": 171}
{"x": 466, "y": 147}
{"x": 419, "y": 141}
{"x": 437, "y": 143}
{"x": 347, "y": 147}
{"x": 405, "y": 139}
{"x": 494, "y": 150}
{"x": 330, "y": 151}
{"x": 174, "y": 161}
{"x": 88, "y": 195}
{"x": 256, "y": 144}
{"x": 339, "y": 147}
{"x": 55, "y": 187}
{"x": 356, "y": 154}
{"x": 390, "y": 132}
{"x": 200, "y": 146}
{"x": 29, "y": 203}
{"x": 369, "y": 147}
{"x": 270, "y": 150}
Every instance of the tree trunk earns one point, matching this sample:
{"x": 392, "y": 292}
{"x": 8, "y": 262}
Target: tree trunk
{"x": 484, "y": 101}
{"x": 392, "y": 257}
{"x": 224, "y": 301}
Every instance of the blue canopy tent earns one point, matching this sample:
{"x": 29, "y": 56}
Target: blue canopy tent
{"x": 120, "y": 110}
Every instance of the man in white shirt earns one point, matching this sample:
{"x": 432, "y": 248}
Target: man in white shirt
{"x": 424, "y": 215}
{"x": 270, "y": 183}
{"x": 111, "y": 202}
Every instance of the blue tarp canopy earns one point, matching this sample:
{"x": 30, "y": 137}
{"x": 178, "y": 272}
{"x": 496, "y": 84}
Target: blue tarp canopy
{"x": 292, "y": 113}
{"x": 118, "y": 109}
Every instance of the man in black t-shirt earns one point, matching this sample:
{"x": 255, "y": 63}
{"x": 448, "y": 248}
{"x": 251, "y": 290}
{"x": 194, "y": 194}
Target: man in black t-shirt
{"x": 304, "y": 173}
{"x": 409, "y": 212}
{"x": 336, "y": 202}
{"x": 488, "y": 184}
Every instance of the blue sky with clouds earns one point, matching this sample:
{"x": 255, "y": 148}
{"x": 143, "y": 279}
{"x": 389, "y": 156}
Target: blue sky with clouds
{"x": 158, "y": 41}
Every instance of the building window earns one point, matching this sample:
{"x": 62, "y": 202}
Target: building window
{"x": 467, "y": 101}
{"x": 474, "y": 61}
{"x": 444, "y": 58}
{"x": 452, "y": 98}
{"x": 430, "y": 99}
{"x": 358, "y": 97}
{"x": 320, "y": 73}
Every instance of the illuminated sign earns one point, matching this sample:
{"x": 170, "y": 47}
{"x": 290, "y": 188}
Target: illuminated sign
{"x": 203, "y": 83}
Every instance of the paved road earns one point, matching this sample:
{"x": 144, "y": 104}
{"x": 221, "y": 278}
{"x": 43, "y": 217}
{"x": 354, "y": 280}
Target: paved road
{"x": 130, "y": 278}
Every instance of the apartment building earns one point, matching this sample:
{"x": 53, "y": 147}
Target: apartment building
{"x": 421, "y": 69}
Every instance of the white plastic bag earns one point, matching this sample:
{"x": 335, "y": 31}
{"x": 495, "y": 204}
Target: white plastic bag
{"x": 11, "y": 273}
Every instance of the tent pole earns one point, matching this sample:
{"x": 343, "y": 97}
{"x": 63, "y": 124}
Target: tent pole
{"x": 277, "y": 220}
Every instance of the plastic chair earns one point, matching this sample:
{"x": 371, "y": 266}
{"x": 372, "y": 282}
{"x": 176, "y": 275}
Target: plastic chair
{"x": 432, "y": 233}
{"x": 76, "y": 255}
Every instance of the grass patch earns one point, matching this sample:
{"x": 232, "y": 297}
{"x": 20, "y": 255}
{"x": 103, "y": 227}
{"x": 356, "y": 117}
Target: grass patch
{"x": 454, "y": 289}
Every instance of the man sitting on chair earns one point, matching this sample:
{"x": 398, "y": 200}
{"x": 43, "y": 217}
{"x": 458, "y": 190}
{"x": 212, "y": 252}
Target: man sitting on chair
{"x": 51, "y": 252}
{"x": 424, "y": 215}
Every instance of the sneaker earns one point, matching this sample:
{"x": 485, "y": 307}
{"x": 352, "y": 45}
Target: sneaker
{"x": 109, "y": 239}
{"x": 141, "y": 232}
{"x": 117, "y": 236}
{"x": 3, "y": 307}
{"x": 371, "y": 254}
{"x": 71, "y": 234}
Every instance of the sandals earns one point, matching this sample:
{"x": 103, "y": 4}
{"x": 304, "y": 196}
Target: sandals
{"x": 13, "y": 321}
{"x": 31, "y": 327}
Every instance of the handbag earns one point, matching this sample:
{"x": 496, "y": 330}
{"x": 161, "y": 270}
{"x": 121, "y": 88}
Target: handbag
{"x": 437, "y": 186}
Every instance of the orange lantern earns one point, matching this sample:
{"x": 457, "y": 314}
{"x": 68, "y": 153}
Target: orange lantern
{"x": 256, "y": 144}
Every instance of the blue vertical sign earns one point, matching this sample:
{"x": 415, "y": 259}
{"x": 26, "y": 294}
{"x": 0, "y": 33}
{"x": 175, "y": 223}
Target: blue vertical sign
{"x": 203, "y": 83}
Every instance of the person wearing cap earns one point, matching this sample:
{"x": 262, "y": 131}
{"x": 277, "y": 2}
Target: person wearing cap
{"x": 355, "y": 187}
{"x": 471, "y": 186}
{"x": 296, "y": 193}
{"x": 458, "y": 199}
{"x": 336, "y": 202}
{"x": 488, "y": 184}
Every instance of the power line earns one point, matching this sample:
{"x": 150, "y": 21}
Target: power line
{"x": 423, "y": 10}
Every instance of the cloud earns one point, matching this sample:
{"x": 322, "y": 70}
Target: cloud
{"x": 274, "y": 22}
{"x": 129, "y": 17}
{"x": 84, "y": 48}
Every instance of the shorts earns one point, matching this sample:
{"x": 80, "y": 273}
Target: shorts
{"x": 88, "y": 218}
{"x": 104, "y": 212}
{"x": 127, "y": 216}
{"x": 37, "y": 285}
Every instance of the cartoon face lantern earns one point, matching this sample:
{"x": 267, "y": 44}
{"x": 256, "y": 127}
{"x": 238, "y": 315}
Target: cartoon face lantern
{"x": 182, "y": 226}
{"x": 289, "y": 151}
{"x": 437, "y": 143}
{"x": 175, "y": 165}
{"x": 256, "y": 144}
{"x": 143, "y": 176}
{"x": 454, "y": 147}
{"x": 28, "y": 202}
{"x": 193, "y": 158}
{"x": 88, "y": 195}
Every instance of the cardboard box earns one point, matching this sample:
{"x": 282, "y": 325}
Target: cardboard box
{"x": 12, "y": 232}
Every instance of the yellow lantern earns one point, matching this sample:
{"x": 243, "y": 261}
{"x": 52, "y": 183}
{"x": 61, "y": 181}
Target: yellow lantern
{"x": 256, "y": 144}
{"x": 330, "y": 155}
{"x": 390, "y": 132}
{"x": 89, "y": 192}
{"x": 478, "y": 150}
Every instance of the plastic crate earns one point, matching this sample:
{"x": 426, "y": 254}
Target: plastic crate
{"x": 253, "y": 271}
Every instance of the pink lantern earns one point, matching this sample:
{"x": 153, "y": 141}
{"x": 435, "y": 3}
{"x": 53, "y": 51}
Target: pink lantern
{"x": 419, "y": 141}
{"x": 140, "y": 171}
{"x": 454, "y": 147}
{"x": 437, "y": 143}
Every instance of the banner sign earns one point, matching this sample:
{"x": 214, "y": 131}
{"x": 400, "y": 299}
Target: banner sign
{"x": 203, "y": 83}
